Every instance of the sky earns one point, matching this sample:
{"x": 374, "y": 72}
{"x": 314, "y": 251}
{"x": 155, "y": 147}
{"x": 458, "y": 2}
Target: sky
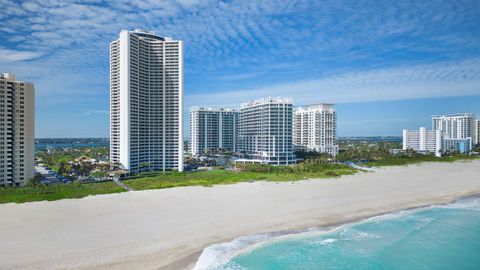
{"x": 387, "y": 65}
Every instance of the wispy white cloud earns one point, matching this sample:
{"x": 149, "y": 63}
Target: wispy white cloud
{"x": 406, "y": 82}
{"x": 241, "y": 76}
{"x": 7, "y": 55}
{"x": 90, "y": 112}
{"x": 337, "y": 51}
{"x": 219, "y": 34}
{"x": 231, "y": 31}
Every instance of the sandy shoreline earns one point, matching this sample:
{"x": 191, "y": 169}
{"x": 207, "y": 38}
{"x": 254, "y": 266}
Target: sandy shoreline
{"x": 168, "y": 229}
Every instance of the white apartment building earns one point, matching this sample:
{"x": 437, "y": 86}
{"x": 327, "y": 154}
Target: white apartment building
{"x": 212, "y": 129}
{"x": 423, "y": 141}
{"x": 314, "y": 129}
{"x": 146, "y": 102}
{"x": 265, "y": 131}
{"x": 17, "y": 131}
{"x": 455, "y": 126}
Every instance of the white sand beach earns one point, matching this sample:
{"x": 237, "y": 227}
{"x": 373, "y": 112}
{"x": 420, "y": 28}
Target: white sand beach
{"x": 167, "y": 229}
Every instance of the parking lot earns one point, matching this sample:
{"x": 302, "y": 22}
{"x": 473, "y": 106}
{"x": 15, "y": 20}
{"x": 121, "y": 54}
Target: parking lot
{"x": 49, "y": 176}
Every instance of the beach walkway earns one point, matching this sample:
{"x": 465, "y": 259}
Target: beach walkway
{"x": 360, "y": 167}
{"x": 121, "y": 184}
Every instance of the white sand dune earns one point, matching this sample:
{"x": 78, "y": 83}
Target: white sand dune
{"x": 167, "y": 229}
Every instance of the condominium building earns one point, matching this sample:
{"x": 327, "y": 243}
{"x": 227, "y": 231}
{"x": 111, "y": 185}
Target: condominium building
{"x": 146, "y": 102}
{"x": 17, "y": 131}
{"x": 265, "y": 131}
{"x": 455, "y": 126}
{"x": 314, "y": 129}
{"x": 454, "y": 145}
{"x": 477, "y": 132}
{"x": 423, "y": 141}
{"x": 212, "y": 130}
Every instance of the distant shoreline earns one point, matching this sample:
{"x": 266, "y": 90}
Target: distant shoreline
{"x": 169, "y": 228}
{"x": 43, "y": 143}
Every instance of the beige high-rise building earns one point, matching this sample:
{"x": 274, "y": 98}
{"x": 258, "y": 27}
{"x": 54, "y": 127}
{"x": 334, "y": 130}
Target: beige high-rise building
{"x": 17, "y": 131}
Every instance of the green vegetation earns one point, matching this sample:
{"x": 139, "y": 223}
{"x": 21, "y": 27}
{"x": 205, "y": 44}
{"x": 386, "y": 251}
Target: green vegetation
{"x": 312, "y": 155}
{"x": 38, "y": 192}
{"x": 248, "y": 172}
{"x": 316, "y": 166}
{"x": 378, "y": 154}
{"x": 372, "y": 151}
{"x": 416, "y": 158}
{"x": 54, "y": 157}
{"x": 74, "y": 162}
{"x": 34, "y": 191}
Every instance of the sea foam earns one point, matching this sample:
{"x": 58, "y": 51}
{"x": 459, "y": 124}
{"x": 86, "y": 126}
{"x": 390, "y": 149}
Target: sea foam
{"x": 218, "y": 256}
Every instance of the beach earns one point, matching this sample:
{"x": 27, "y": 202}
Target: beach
{"x": 169, "y": 228}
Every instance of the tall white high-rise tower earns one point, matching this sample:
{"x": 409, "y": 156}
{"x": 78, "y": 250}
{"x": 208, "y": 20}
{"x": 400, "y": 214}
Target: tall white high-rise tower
{"x": 146, "y": 102}
{"x": 455, "y": 126}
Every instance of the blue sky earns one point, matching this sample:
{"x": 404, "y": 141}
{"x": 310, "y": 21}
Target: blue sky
{"x": 388, "y": 65}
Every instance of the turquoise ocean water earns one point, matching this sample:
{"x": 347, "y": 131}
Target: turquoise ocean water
{"x": 436, "y": 237}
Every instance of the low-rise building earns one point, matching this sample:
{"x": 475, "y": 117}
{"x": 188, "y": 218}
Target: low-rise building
{"x": 434, "y": 141}
{"x": 463, "y": 146}
{"x": 423, "y": 141}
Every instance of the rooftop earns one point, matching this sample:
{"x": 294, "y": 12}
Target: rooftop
{"x": 321, "y": 106}
{"x": 454, "y": 115}
{"x": 8, "y": 76}
{"x": 196, "y": 108}
{"x": 148, "y": 34}
{"x": 268, "y": 100}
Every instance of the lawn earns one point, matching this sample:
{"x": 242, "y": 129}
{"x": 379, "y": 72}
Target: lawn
{"x": 56, "y": 192}
{"x": 403, "y": 160}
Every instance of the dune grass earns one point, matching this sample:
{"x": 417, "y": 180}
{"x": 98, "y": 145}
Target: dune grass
{"x": 56, "y": 192}
{"x": 156, "y": 180}
{"x": 405, "y": 160}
